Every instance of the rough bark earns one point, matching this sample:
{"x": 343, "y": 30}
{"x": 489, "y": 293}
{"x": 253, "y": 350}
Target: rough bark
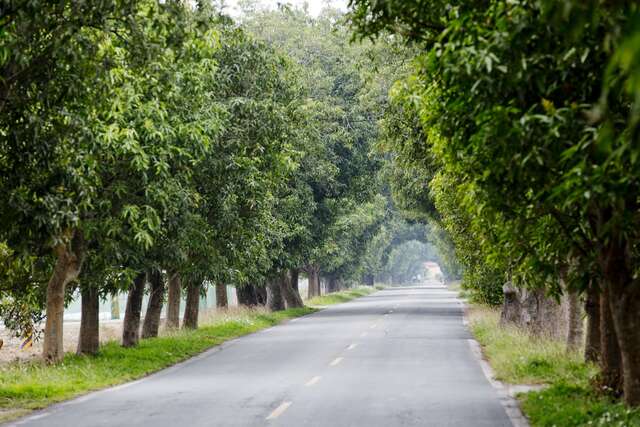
{"x": 313, "y": 272}
{"x": 275, "y": 301}
{"x": 151, "y": 324}
{"x": 69, "y": 258}
{"x": 247, "y": 295}
{"x": 89, "y": 339}
{"x": 511, "y": 310}
{"x": 291, "y": 296}
{"x": 173, "y": 301}
{"x": 624, "y": 302}
{"x": 574, "y": 322}
{"x": 261, "y": 293}
{"x": 610, "y": 359}
{"x": 222, "y": 299}
{"x": 131, "y": 324}
{"x": 592, "y": 341}
{"x": 192, "y": 307}
{"x": 115, "y": 307}
{"x": 295, "y": 279}
{"x": 369, "y": 280}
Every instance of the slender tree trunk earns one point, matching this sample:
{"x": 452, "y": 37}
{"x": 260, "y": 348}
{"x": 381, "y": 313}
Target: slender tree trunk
{"x": 173, "y": 303}
{"x": 131, "y": 324}
{"x": 222, "y": 299}
{"x": 290, "y": 295}
{"x": 275, "y": 301}
{"x": 115, "y": 306}
{"x": 610, "y": 359}
{"x": 592, "y": 308}
{"x": 575, "y": 330}
{"x": 192, "y": 307}
{"x": 247, "y": 295}
{"x": 295, "y": 280}
{"x": 89, "y": 339}
{"x": 314, "y": 281}
{"x": 68, "y": 265}
{"x": 151, "y": 323}
{"x": 624, "y": 302}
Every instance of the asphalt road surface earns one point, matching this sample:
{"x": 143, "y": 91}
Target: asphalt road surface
{"x": 399, "y": 357}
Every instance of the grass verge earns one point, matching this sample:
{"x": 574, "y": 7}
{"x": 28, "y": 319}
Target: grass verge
{"x": 34, "y": 385}
{"x": 569, "y": 399}
{"x": 342, "y": 296}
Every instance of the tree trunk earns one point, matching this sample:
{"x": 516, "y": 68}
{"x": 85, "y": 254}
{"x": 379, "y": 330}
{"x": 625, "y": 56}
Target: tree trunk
{"x": 295, "y": 280}
{"x": 192, "y": 307}
{"x": 592, "y": 308}
{"x": 511, "y": 308}
{"x": 275, "y": 302}
{"x": 369, "y": 280}
{"x": 131, "y": 324}
{"x": 610, "y": 359}
{"x": 624, "y": 302}
{"x": 314, "y": 281}
{"x": 89, "y": 339}
{"x": 151, "y": 323}
{"x": 115, "y": 307}
{"x": 574, "y": 322}
{"x": 261, "y": 293}
{"x": 222, "y": 300}
{"x": 290, "y": 295}
{"x": 333, "y": 284}
{"x": 68, "y": 265}
{"x": 173, "y": 301}
{"x": 247, "y": 295}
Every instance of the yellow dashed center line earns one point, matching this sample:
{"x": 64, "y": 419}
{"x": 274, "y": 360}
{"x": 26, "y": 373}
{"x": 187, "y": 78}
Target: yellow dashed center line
{"x": 313, "y": 381}
{"x": 279, "y": 410}
{"x": 335, "y": 361}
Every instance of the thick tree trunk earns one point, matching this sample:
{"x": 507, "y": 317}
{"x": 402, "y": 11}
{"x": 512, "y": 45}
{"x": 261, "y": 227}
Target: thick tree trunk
{"x": 275, "y": 301}
{"x": 261, "y": 293}
{"x": 68, "y": 265}
{"x": 592, "y": 341}
{"x": 131, "y": 324}
{"x": 624, "y": 302}
{"x": 368, "y": 279}
{"x": 222, "y": 299}
{"x": 610, "y": 359}
{"x": 295, "y": 280}
{"x": 173, "y": 301}
{"x": 314, "y": 281}
{"x": 192, "y": 307}
{"x": 247, "y": 295}
{"x": 151, "y": 323}
{"x": 89, "y": 339}
{"x": 511, "y": 308}
{"x": 115, "y": 307}
{"x": 574, "y": 322}
{"x": 290, "y": 295}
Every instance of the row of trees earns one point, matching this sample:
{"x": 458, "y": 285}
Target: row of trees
{"x": 517, "y": 133}
{"x": 160, "y": 147}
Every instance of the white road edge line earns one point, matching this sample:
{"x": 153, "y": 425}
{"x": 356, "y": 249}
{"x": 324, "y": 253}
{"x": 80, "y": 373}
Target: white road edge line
{"x": 313, "y": 381}
{"x": 335, "y": 361}
{"x": 279, "y": 410}
{"x": 352, "y": 346}
{"x": 373, "y": 326}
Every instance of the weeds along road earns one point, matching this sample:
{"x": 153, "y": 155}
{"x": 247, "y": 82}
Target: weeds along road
{"x": 399, "y": 357}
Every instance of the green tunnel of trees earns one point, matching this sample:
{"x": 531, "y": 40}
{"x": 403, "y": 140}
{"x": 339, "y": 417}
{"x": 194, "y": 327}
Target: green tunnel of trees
{"x": 159, "y": 148}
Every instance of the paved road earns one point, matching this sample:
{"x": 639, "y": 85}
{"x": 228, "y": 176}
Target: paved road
{"x": 399, "y": 357}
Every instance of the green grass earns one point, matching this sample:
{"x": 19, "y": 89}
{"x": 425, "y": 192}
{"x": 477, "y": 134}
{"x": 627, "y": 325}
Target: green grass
{"x": 342, "y": 296}
{"x": 34, "y": 385}
{"x": 569, "y": 399}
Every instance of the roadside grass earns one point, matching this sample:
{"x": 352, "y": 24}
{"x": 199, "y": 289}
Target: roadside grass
{"x": 569, "y": 398}
{"x": 341, "y": 296}
{"x": 26, "y": 386}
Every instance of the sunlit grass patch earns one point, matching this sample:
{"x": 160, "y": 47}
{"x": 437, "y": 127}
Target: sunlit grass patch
{"x": 569, "y": 399}
{"x": 519, "y": 358}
